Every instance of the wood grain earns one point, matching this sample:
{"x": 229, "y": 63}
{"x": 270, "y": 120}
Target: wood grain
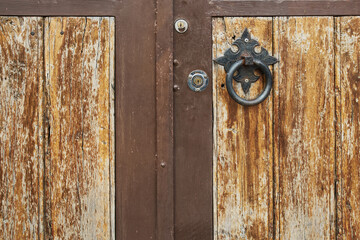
{"x": 348, "y": 115}
{"x": 77, "y": 176}
{"x": 274, "y": 164}
{"x": 243, "y": 154}
{"x": 304, "y": 127}
{"x": 21, "y": 145}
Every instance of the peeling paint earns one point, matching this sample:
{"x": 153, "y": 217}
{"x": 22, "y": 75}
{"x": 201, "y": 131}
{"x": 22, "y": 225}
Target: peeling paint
{"x": 57, "y": 128}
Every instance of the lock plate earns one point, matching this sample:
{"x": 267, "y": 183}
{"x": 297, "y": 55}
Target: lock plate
{"x": 198, "y": 80}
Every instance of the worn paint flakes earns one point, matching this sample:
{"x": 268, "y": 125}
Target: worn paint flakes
{"x": 288, "y": 144}
{"x": 243, "y": 144}
{"x": 348, "y": 114}
{"x": 78, "y": 61}
{"x": 57, "y": 128}
{"x": 21, "y": 147}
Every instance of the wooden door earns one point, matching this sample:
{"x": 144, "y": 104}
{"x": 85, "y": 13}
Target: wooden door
{"x": 82, "y": 106}
{"x": 287, "y": 168}
{"x": 173, "y": 163}
{"x": 57, "y": 127}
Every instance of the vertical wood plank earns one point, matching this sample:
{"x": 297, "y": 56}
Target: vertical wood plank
{"x": 112, "y": 124}
{"x": 164, "y": 121}
{"x": 338, "y": 133}
{"x": 348, "y": 76}
{"x": 304, "y": 127}
{"x": 78, "y": 183}
{"x": 243, "y": 151}
{"x": 20, "y": 127}
{"x": 136, "y": 121}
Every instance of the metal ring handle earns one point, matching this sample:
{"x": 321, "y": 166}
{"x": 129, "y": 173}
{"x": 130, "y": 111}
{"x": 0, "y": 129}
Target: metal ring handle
{"x": 265, "y": 93}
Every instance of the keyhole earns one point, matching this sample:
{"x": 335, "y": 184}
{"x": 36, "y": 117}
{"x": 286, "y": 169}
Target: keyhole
{"x": 181, "y": 26}
{"x": 198, "y": 81}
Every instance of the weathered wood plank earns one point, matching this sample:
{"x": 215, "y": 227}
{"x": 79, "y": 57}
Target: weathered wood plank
{"x": 21, "y": 147}
{"x": 304, "y": 127}
{"x": 243, "y": 151}
{"x": 78, "y": 182}
{"x": 348, "y": 170}
{"x": 112, "y": 124}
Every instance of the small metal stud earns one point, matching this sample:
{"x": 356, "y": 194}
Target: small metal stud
{"x": 176, "y": 62}
{"x": 176, "y": 88}
{"x": 234, "y": 48}
{"x": 257, "y": 49}
{"x": 32, "y": 33}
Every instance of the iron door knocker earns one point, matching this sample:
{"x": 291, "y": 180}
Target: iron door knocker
{"x": 241, "y": 64}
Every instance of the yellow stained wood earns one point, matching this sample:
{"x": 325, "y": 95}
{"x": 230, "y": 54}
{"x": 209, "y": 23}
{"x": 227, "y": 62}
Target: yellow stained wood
{"x": 21, "y": 147}
{"x": 286, "y": 144}
{"x": 78, "y": 165}
{"x": 304, "y": 127}
{"x": 243, "y": 157}
{"x": 348, "y": 114}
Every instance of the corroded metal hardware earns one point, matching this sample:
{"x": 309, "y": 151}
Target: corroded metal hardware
{"x": 198, "y": 80}
{"x": 240, "y": 62}
{"x": 181, "y": 25}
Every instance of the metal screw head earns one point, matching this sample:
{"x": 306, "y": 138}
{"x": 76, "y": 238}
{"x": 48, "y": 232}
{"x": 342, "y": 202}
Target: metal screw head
{"x": 257, "y": 49}
{"x": 246, "y": 40}
{"x": 246, "y": 80}
{"x": 181, "y": 26}
{"x": 234, "y": 48}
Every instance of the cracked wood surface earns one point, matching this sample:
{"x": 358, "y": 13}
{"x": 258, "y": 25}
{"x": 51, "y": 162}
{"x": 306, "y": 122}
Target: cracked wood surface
{"x": 348, "y": 118}
{"x": 289, "y": 167}
{"x": 77, "y": 176}
{"x": 304, "y": 127}
{"x": 57, "y": 128}
{"x": 21, "y": 126}
{"x": 243, "y": 150}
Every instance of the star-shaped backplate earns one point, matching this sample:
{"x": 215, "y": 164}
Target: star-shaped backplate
{"x": 246, "y": 48}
